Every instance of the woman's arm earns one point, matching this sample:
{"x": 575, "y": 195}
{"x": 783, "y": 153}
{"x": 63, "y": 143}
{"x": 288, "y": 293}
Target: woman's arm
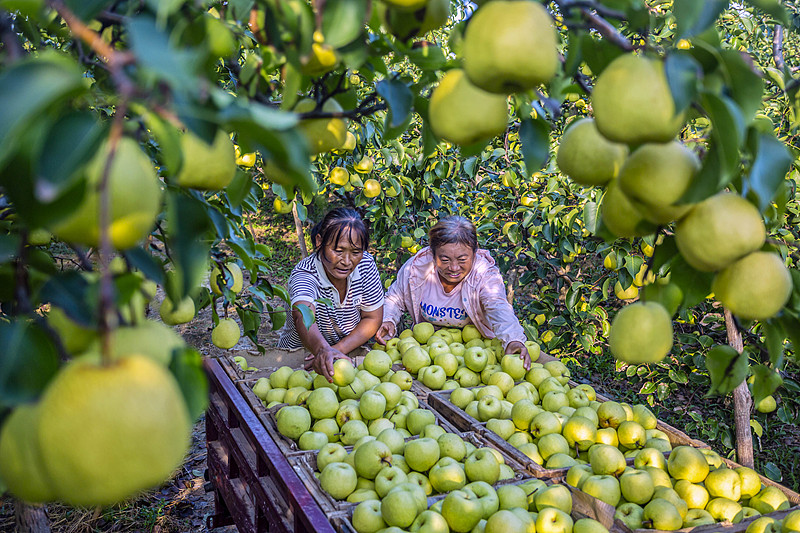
{"x": 366, "y": 328}
{"x": 314, "y": 342}
{"x": 501, "y": 317}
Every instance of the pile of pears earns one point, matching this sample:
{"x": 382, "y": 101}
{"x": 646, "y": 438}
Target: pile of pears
{"x": 449, "y": 358}
{"x": 357, "y": 403}
{"x": 630, "y": 147}
{"x": 554, "y": 424}
{"x": 689, "y": 487}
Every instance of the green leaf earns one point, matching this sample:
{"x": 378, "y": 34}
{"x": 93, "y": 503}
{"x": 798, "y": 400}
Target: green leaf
{"x": 694, "y": 17}
{"x": 187, "y": 367}
{"x": 28, "y": 88}
{"x": 74, "y": 294}
{"x": 427, "y": 57}
{"x": 775, "y": 337}
{"x": 682, "y": 72}
{"x": 744, "y": 82}
{"x": 728, "y": 128}
{"x": 9, "y": 246}
{"x": 772, "y": 471}
{"x": 239, "y": 188}
{"x": 189, "y": 242}
{"x": 307, "y": 313}
{"x": 695, "y": 285}
{"x": 534, "y": 134}
{"x": 757, "y": 429}
{"x": 87, "y": 9}
{"x": 278, "y": 319}
{"x": 774, "y": 8}
{"x": 343, "y": 21}
{"x": 765, "y": 383}
{"x": 146, "y": 263}
{"x": 154, "y": 52}
{"x": 768, "y": 170}
{"x": 71, "y": 142}
{"x": 28, "y": 363}
{"x": 727, "y": 368}
{"x": 399, "y": 99}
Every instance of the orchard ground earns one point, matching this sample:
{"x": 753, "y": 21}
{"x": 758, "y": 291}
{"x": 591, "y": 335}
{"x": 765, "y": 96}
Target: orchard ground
{"x": 182, "y": 505}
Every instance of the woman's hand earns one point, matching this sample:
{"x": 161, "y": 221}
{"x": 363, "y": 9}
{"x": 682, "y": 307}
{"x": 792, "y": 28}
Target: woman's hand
{"x": 385, "y": 332}
{"x": 522, "y": 350}
{"x": 322, "y": 363}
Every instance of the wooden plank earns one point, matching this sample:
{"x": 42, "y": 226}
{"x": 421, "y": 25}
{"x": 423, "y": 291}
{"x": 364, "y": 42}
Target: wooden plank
{"x": 266, "y": 456}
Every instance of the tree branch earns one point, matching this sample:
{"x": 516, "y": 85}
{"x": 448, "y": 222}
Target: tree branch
{"x": 592, "y": 16}
{"x": 9, "y": 38}
{"x": 777, "y": 48}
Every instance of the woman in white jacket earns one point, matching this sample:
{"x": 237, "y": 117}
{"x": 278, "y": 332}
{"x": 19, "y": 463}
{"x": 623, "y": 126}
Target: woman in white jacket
{"x": 453, "y": 283}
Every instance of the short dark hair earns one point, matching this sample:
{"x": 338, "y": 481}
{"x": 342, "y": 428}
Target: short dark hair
{"x": 335, "y": 223}
{"x": 453, "y": 230}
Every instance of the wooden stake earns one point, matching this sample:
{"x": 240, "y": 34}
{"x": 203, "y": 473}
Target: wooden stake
{"x": 742, "y": 403}
{"x": 31, "y": 518}
{"x": 298, "y": 227}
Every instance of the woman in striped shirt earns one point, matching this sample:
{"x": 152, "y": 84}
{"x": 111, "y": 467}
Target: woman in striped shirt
{"x": 341, "y": 284}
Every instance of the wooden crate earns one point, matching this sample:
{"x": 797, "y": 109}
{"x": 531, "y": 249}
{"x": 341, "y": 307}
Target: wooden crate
{"x": 440, "y": 401}
{"x": 253, "y": 484}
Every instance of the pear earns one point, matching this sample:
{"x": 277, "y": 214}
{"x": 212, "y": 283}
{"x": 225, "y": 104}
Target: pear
{"x": 463, "y": 114}
{"x": 632, "y": 102}
{"x": 510, "y": 46}
{"x": 755, "y": 287}
{"x": 587, "y": 157}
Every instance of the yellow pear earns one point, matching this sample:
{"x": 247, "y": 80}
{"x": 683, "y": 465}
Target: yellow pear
{"x": 655, "y": 176}
{"x": 321, "y": 59}
{"x": 372, "y": 188}
{"x": 365, "y": 165}
{"x": 148, "y": 338}
{"x": 135, "y": 194}
{"x": 207, "y": 167}
{"x": 21, "y": 465}
{"x": 510, "y": 46}
{"x": 339, "y": 176}
{"x": 620, "y": 216}
{"x": 349, "y": 142}
{"x": 641, "y": 333}
{"x": 587, "y": 157}
{"x": 226, "y": 334}
{"x": 322, "y": 134}
{"x": 719, "y": 230}
{"x": 236, "y": 277}
{"x": 755, "y": 287}
{"x": 631, "y": 293}
{"x": 282, "y": 207}
{"x": 632, "y": 102}
{"x": 107, "y": 432}
{"x": 461, "y": 113}
{"x": 180, "y": 314}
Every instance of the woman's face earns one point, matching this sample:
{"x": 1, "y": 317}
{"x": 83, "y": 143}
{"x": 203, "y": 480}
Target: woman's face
{"x": 453, "y": 262}
{"x": 342, "y": 257}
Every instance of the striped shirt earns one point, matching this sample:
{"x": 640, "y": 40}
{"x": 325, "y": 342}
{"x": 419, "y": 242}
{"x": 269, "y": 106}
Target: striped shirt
{"x": 308, "y": 282}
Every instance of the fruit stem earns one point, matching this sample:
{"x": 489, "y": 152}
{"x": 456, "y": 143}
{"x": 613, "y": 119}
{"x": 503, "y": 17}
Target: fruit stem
{"x": 108, "y": 319}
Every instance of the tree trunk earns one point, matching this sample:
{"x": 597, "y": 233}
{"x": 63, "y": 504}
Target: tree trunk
{"x": 741, "y": 401}
{"x": 511, "y": 285}
{"x": 301, "y": 236}
{"x": 31, "y": 518}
